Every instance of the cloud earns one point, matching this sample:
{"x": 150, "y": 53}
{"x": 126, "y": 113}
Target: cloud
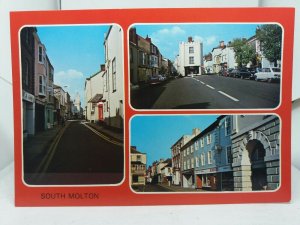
{"x": 172, "y": 31}
{"x": 211, "y": 40}
{"x": 71, "y": 73}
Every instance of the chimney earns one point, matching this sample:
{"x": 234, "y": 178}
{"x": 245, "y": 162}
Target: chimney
{"x": 102, "y": 67}
{"x": 190, "y": 39}
{"x": 222, "y": 45}
{"x": 148, "y": 39}
{"x": 196, "y": 131}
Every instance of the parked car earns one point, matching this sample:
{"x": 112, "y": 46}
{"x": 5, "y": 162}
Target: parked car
{"x": 154, "y": 79}
{"x": 269, "y": 74}
{"x": 232, "y": 72}
{"x": 244, "y": 73}
{"x": 161, "y": 77}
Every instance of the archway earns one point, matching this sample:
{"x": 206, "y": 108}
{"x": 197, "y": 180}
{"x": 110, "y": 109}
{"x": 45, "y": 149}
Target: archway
{"x": 257, "y": 153}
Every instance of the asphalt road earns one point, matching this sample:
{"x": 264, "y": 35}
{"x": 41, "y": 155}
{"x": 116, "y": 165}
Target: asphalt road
{"x": 83, "y": 157}
{"x": 208, "y": 92}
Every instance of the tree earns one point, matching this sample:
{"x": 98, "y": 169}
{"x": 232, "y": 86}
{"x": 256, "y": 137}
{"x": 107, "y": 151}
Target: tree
{"x": 244, "y": 53}
{"x": 270, "y": 37}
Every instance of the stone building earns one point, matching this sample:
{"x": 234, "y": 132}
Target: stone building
{"x": 138, "y": 163}
{"x": 256, "y": 152}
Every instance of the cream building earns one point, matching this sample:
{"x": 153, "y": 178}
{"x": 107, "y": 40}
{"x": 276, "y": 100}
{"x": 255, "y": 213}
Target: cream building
{"x": 190, "y": 58}
{"x": 113, "y": 78}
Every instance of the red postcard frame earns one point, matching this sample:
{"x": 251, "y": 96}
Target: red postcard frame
{"x": 122, "y": 194}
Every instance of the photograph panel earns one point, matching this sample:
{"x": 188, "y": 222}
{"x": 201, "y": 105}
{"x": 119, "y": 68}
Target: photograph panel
{"x": 205, "y": 153}
{"x": 205, "y": 66}
{"x": 72, "y": 104}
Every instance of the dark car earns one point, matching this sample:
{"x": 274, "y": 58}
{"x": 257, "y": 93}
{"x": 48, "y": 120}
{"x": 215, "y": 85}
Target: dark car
{"x": 244, "y": 73}
{"x": 233, "y": 72}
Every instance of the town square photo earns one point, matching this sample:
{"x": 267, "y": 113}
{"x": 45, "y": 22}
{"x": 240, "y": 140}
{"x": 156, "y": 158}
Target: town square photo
{"x": 205, "y": 153}
{"x": 205, "y": 66}
{"x": 72, "y": 104}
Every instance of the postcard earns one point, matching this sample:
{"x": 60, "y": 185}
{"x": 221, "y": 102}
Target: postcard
{"x": 152, "y": 106}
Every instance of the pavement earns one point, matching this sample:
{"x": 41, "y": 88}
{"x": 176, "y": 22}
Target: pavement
{"x": 176, "y": 188}
{"x": 114, "y": 134}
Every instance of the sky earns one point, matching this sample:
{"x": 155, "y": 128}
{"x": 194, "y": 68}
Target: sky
{"x": 75, "y": 52}
{"x": 168, "y": 37}
{"x": 155, "y": 135}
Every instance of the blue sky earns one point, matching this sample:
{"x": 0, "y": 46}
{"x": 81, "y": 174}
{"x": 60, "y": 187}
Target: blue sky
{"x": 155, "y": 135}
{"x": 75, "y": 52}
{"x": 168, "y": 37}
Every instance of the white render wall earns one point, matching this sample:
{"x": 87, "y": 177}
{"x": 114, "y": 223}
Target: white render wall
{"x": 113, "y": 45}
{"x": 183, "y": 59}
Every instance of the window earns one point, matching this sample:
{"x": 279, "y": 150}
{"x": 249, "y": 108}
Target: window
{"x": 208, "y": 139}
{"x": 209, "y": 157}
{"x": 192, "y": 163}
{"x": 138, "y": 158}
{"x": 227, "y": 126}
{"x": 184, "y": 153}
{"x": 191, "y": 49}
{"x": 228, "y": 154}
{"x": 184, "y": 165}
{"x": 196, "y": 145}
{"x": 202, "y": 142}
{"x": 192, "y": 148}
{"x": 197, "y": 162}
{"x": 202, "y": 159}
{"x": 42, "y": 85}
{"x": 114, "y": 79}
{"x": 191, "y": 60}
{"x": 188, "y": 151}
{"x": 41, "y": 54}
{"x": 188, "y": 164}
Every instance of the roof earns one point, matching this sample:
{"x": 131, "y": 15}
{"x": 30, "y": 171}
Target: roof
{"x": 207, "y": 130}
{"x": 97, "y": 98}
{"x": 134, "y": 151}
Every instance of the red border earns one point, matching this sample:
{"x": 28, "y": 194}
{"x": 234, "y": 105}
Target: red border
{"x": 122, "y": 195}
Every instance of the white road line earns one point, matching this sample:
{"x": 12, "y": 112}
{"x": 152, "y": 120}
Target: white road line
{"x": 210, "y": 86}
{"x": 228, "y": 96}
{"x": 202, "y": 82}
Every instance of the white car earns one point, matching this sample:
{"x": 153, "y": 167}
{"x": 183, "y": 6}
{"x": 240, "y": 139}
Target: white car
{"x": 269, "y": 74}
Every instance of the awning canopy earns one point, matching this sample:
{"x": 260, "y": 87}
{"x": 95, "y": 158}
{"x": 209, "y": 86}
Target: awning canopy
{"x": 97, "y": 98}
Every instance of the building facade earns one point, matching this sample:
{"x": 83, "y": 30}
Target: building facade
{"x": 256, "y": 152}
{"x": 138, "y": 163}
{"x": 113, "y": 78}
{"x": 28, "y": 80}
{"x": 94, "y": 89}
{"x": 190, "y": 57}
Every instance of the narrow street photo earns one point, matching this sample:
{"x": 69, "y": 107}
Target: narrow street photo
{"x": 72, "y": 98}
{"x": 201, "y": 153}
{"x": 205, "y": 66}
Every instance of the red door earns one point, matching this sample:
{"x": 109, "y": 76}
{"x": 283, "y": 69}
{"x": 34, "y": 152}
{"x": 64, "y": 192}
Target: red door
{"x": 100, "y": 112}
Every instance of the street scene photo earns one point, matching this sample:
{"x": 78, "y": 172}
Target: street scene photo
{"x": 205, "y": 153}
{"x": 205, "y": 66}
{"x": 72, "y": 104}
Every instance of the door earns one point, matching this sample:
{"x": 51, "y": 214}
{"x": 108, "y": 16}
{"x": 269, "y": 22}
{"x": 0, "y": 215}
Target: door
{"x": 100, "y": 112}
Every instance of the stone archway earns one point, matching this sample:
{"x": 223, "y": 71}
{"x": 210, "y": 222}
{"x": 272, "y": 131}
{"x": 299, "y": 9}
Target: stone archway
{"x": 243, "y": 165}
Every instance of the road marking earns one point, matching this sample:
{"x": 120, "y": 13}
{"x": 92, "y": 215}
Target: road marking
{"x": 103, "y": 136}
{"x": 202, "y": 82}
{"x": 210, "y": 86}
{"x": 43, "y": 166}
{"x": 228, "y": 96}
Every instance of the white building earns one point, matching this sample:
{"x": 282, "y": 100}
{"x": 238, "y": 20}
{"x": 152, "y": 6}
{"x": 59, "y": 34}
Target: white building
{"x": 190, "y": 59}
{"x": 93, "y": 89}
{"x": 208, "y": 63}
{"x": 113, "y": 78}
{"x": 228, "y": 57}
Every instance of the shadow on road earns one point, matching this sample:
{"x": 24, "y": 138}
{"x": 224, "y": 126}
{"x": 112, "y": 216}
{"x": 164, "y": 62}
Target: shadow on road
{"x": 202, "y": 105}
{"x": 146, "y": 96}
